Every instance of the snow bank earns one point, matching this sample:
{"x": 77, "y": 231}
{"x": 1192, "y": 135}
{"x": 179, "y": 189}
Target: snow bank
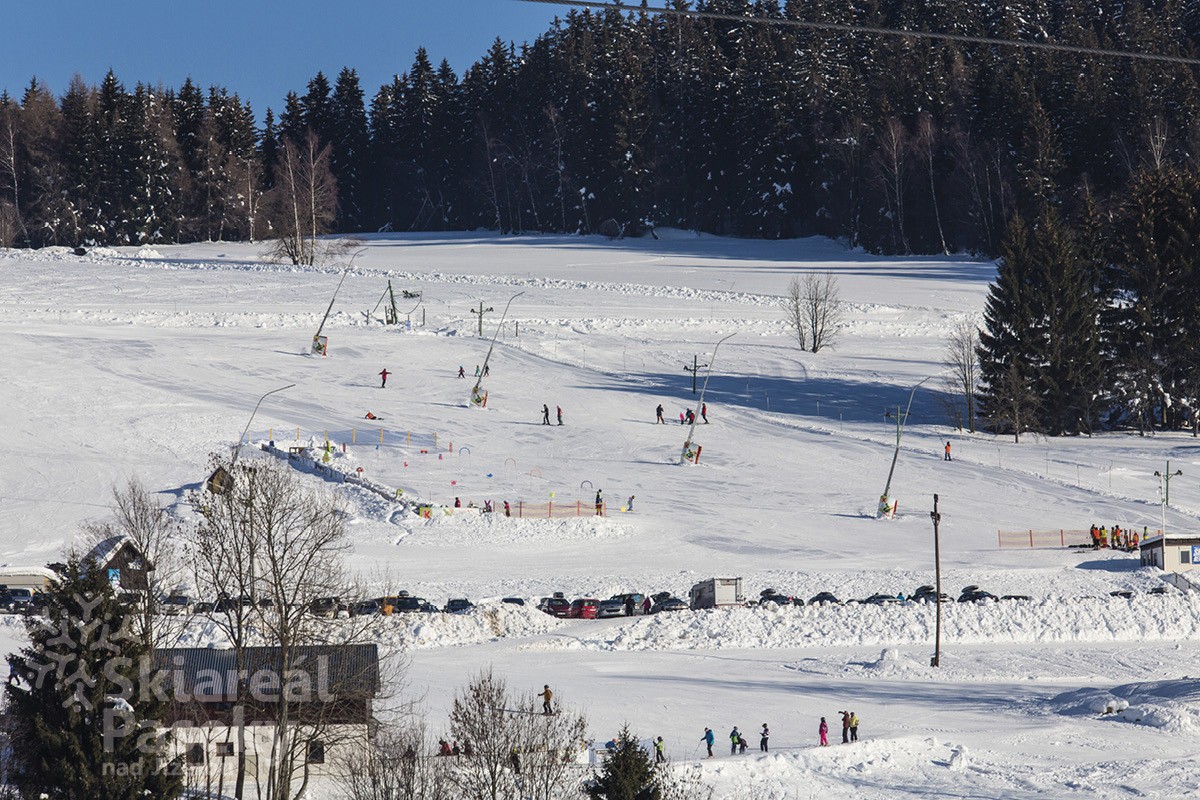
{"x": 1055, "y": 619}
{"x": 1172, "y": 705}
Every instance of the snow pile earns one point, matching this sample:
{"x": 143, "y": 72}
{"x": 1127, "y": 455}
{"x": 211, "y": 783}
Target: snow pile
{"x": 483, "y": 624}
{"x": 147, "y": 252}
{"x": 1172, "y": 705}
{"x": 466, "y": 528}
{"x": 1054, "y": 619}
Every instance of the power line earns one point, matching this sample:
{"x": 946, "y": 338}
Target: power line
{"x": 907, "y": 34}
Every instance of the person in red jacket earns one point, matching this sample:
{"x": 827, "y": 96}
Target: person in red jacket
{"x": 383, "y": 374}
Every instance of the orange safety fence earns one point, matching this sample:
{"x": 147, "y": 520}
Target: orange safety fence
{"x": 579, "y": 508}
{"x": 1049, "y": 538}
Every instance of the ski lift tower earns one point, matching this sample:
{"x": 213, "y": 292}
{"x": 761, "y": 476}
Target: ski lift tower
{"x": 478, "y": 394}
{"x": 887, "y": 509}
{"x": 690, "y": 451}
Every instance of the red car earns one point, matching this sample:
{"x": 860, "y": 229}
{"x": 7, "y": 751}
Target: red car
{"x": 555, "y": 606}
{"x": 584, "y": 608}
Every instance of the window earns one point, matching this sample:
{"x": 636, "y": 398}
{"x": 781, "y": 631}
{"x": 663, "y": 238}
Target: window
{"x": 224, "y": 749}
{"x": 195, "y": 754}
{"x": 316, "y": 752}
{"x": 1185, "y": 557}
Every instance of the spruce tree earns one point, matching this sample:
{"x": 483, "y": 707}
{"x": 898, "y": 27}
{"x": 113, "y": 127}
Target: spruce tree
{"x": 82, "y": 714}
{"x": 628, "y": 773}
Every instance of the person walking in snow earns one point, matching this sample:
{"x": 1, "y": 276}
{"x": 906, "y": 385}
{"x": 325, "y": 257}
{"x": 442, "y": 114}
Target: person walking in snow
{"x": 762, "y": 741}
{"x": 476, "y": 370}
{"x": 708, "y": 740}
{"x": 547, "y": 695}
{"x": 486, "y": 370}
{"x": 630, "y": 506}
{"x": 691, "y": 416}
{"x": 704, "y": 412}
{"x": 646, "y": 605}
{"x": 854, "y": 726}
{"x": 507, "y": 509}
{"x": 680, "y": 417}
{"x": 559, "y": 408}
{"x": 599, "y": 503}
{"x": 545, "y": 414}
{"x": 659, "y": 746}
{"x": 845, "y": 727}
{"x": 658, "y": 416}
{"x": 457, "y": 503}
{"x": 383, "y": 374}
{"x": 948, "y": 458}
{"x": 461, "y": 373}
{"x": 735, "y": 738}
{"x": 823, "y": 730}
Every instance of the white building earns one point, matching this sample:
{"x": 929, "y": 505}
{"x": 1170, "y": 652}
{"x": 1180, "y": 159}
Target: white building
{"x": 1172, "y": 552}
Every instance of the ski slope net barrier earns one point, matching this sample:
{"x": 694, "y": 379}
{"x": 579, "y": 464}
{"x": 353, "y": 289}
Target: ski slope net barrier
{"x": 1049, "y": 538}
{"x": 363, "y": 435}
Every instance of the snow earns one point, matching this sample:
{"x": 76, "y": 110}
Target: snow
{"x": 142, "y": 361}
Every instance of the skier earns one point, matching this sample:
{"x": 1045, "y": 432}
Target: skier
{"x": 948, "y": 458}
{"x": 854, "y": 726}
{"x": 383, "y": 374}
{"x": 659, "y": 415}
{"x": 630, "y": 506}
{"x": 559, "y": 414}
{"x": 546, "y": 696}
{"x": 545, "y": 414}
{"x": 691, "y": 416}
{"x": 762, "y": 742}
{"x": 369, "y": 415}
{"x": 845, "y": 727}
{"x": 708, "y": 740}
{"x": 599, "y": 504}
{"x": 659, "y": 744}
{"x": 476, "y": 370}
{"x": 486, "y": 370}
{"x": 824, "y": 731}
{"x": 457, "y": 503}
{"x": 461, "y": 372}
{"x": 507, "y": 510}
{"x": 444, "y": 748}
{"x": 455, "y": 749}
{"x": 704, "y": 412}
{"x": 13, "y": 675}
{"x": 735, "y": 738}
{"x": 680, "y": 417}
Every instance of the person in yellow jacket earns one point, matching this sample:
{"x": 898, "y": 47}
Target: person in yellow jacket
{"x": 547, "y": 695}
{"x": 854, "y": 726}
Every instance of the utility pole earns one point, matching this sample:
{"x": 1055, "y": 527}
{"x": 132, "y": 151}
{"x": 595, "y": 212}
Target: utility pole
{"x": 901, "y": 421}
{"x": 936, "y": 516}
{"x": 687, "y": 446}
{"x": 479, "y": 313}
{"x": 694, "y": 368}
{"x": 1164, "y": 479}
{"x": 475, "y": 390}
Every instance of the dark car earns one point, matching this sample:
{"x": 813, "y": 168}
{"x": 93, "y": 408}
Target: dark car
{"x": 973, "y": 594}
{"x": 459, "y": 605}
{"x": 16, "y": 601}
{"x": 204, "y": 607}
{"x": 772, "y": 596}
{"x": 824, "y": 597}
{"x": 513, "y": 601}
{"x": 1015, "y": 597}
{"x": 584, "y": 608}
{"x": 228, "y": 604}
{"x": 881, "y": 599}
{"x": 1157, "y": 590}
{"x": 668, "y": 603}
{"x": 1121, "y": 593}
{"x": 927, "y": 594}
{"x": 39, "y": 606}
{"x": 364, "y": 608}
{"x": 555, "y": 606}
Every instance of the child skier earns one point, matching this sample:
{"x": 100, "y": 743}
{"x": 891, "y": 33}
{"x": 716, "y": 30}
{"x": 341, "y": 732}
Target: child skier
{"x": 824, "y": 731}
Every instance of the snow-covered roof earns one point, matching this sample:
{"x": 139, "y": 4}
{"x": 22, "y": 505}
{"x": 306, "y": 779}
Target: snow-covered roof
{"x": 9, "y": 571}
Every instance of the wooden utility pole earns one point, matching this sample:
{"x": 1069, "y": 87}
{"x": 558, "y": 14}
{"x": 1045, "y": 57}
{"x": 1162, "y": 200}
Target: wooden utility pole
{"x": 936, "y": 661}
{"x": 694, "y": 368}
{"x": 479, "y": 313}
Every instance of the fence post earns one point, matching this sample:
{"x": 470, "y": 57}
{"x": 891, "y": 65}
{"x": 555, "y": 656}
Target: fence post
{"x": 1031, "y": 538}
{"x": 520, "y": 508}
{"x": 297, "y": 433}
{"x": 579, "y": 508}
{"x": 381, "y": 435}
{"x": 435, "y": 441}
{"x": 408, "y": 438}
{"x": 999, "y": 540}
{"x": 550, "y": 509}
{"x": 1062, "y": 537}
{"x": 354, "y": 436}
{"x": 271, "y": 434}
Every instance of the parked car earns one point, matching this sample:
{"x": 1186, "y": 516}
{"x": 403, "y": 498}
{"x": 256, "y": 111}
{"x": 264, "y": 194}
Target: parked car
{"x": 458, "y": 605}
{"x": 619, "y": 605}
{"x": 927, "y": 594}
{"x": 584, "y": 608}
{"x": 326, "y": 607}
{"x": 973, "y": 594}
{"x": 204, "y": 607}
{"x": 15, "y": 601}
{"x": 127, "y": 600}
{"x": 406, "y": 603}
{"x": 227, "y": 604}
{"x": 1015, "y": 597}
{"x": 881, "y": 599}
{"x": 1157, "y": 590}
{"x": 1121, "y": 593}
{"x": 513, "y": 601}
{"x": 824, "y": 598}
{"x": 668, "y": 603}
{"x": 557, "y": 606}
{"x": 39, "y": 606}
{"x": 364, "y": 608}
{"x": 175, "y": 605}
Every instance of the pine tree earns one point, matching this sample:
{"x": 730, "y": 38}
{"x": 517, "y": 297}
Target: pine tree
{"x": 350, "y": 149}
{"x": 628, "y": 773}
{"x": 83, "y": 710}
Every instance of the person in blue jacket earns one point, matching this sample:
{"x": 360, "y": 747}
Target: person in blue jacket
{"x": 708, "y": 740}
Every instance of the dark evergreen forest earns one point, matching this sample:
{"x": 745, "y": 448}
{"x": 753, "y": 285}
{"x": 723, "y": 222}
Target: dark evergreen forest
{"x": 612, "y": 121}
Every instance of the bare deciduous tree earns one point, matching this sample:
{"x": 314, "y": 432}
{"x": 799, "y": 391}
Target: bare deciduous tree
{"x": 961, "y": 358}
{"x": 891, "y": 167}
{"x": 516, "y": 749}
{"x": 303, "y": 201}
{"x": 925, "y": 139}
{"x": 397, "y": 765}
{"x": 10, "y": 174}
{"x": 813, "y": 310}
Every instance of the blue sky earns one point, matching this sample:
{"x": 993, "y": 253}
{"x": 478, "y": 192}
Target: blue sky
{"x": 258, "y": 48}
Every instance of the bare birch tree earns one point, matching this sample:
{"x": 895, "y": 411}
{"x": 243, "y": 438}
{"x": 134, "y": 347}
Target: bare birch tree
{"x": 961, "y": 358}
{"x": 813, "y": 310}
{"x": 304, "y": 200}
{"x": 11, "y": 220}
{"x": 891, "y": 165}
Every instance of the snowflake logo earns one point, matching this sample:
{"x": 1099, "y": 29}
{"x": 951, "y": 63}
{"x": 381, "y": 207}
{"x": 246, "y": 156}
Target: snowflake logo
{"x": 71, "y": 643}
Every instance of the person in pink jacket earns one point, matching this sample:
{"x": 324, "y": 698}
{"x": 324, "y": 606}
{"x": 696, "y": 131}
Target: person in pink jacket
{"x": 824, "y": 731}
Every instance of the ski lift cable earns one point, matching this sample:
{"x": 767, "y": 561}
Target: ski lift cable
{"x": 876, "y": 31}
